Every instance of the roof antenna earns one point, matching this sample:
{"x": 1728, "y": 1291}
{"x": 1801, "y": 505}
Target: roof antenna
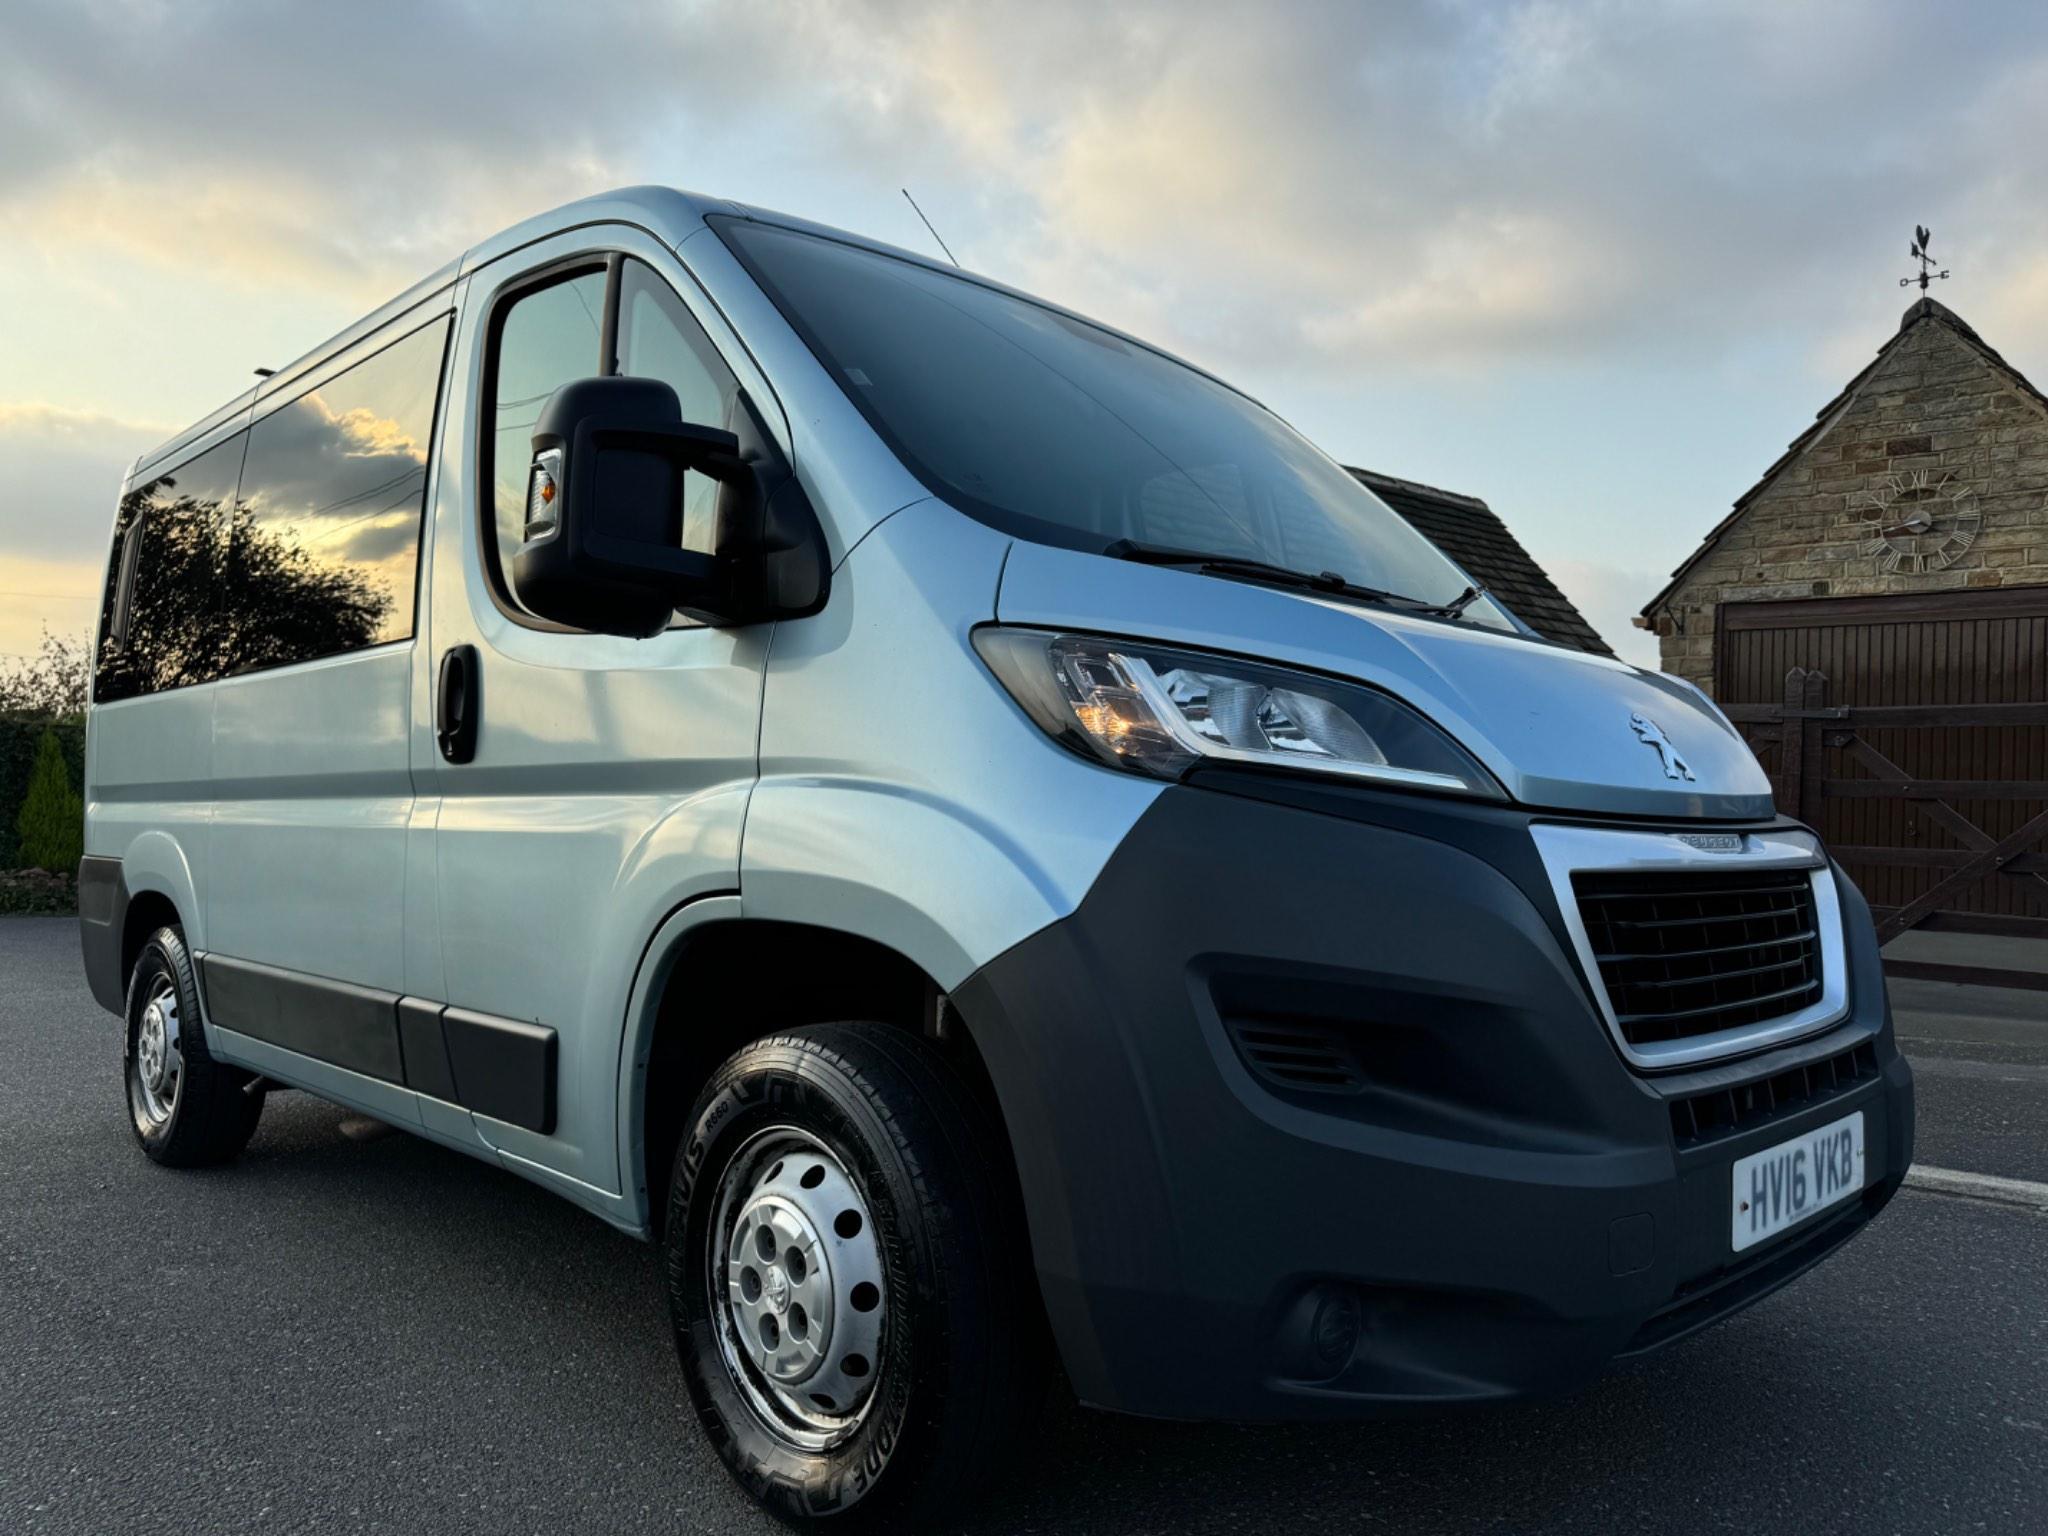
{"x": 264, "y": 373}
{"x": 928, "y": 225}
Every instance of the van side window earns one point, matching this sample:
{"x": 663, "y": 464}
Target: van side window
{"x": 660, "y": 339}
{"x": 324, "y": 553}
{"x": 549, "y": 336}
{"x": 160, "y": 622}
{"x": 546, "y": 338}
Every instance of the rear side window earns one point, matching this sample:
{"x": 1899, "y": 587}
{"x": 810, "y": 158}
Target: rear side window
{"x": 161, "y": 621}
{"x": 324, "y": 552}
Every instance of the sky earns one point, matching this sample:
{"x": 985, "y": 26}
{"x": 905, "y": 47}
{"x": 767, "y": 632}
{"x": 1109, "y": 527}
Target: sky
{"x": 1596, "y": 262}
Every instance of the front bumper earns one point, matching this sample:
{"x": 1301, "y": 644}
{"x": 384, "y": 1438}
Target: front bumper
{"x": 1499, "y": 1205}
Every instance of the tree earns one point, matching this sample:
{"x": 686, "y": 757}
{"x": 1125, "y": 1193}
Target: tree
{"x": 287, "y": 604}
{"x": 50, "y": 684}
{"x": 218, "y": 593}
{"x": 52, "y": 821}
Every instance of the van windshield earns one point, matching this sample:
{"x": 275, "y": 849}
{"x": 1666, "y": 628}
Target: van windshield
{"x": 1058, "y": 431}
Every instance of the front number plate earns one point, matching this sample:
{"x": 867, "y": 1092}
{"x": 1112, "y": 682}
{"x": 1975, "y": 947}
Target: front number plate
{"x": 1782, "y": 1187}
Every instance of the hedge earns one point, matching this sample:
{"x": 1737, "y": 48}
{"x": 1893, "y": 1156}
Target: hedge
{"x": 19, "y": 737}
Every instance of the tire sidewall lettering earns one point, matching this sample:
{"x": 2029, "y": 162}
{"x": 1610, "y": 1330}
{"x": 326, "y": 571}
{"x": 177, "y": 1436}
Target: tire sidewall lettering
{"x": 827, "y": 1482}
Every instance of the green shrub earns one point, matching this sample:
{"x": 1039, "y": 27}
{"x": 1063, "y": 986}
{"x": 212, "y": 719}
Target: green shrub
{"x": 52, "y": 821}
{"x": 20, "y": 735}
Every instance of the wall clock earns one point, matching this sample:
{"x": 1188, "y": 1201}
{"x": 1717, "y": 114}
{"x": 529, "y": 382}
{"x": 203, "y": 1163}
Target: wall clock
{"x": 1919, "y": 521}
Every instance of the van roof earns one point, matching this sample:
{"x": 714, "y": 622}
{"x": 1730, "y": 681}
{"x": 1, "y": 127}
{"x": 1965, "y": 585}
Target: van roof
{"x": 667, "y": 213}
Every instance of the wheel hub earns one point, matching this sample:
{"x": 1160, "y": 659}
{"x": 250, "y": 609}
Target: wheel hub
{"x": 159, "y": 1063}
{"x": 151, "y": 1045}
{"x": 800, "y": 1276}
{"x": 779, "y": 1285}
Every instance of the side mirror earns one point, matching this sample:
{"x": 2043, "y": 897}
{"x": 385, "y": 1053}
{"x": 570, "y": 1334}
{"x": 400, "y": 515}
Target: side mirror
{"x": 602, "y": 541}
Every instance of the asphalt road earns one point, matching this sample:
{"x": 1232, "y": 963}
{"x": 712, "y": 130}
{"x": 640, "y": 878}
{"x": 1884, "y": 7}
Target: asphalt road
{"x": 351, "y": 1330}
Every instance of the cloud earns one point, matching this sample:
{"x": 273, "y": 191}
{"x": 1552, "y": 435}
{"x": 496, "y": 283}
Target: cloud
{"x": 354, "y": 146}
{"x": 38, "y": 594}
{"x": 1335, "y": 186}
{"x": 1443, "y": 187}
{"x": 64, "y": 474}
{"x": 1324, "y": 201}
{"x": 61, "y": 424}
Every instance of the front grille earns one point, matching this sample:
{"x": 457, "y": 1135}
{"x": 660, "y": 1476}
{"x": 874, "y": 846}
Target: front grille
{"x": 1686, "y": 953}
{"x": 1704, "y": 1117}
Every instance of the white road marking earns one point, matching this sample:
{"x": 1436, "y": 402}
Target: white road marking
{"x": 1978, "y": 1186}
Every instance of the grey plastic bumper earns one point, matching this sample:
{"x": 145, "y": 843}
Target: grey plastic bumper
{"x": 1501, "y": 1208}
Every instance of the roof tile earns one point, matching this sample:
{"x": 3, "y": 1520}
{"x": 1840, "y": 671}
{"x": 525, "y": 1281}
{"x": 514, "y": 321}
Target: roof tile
{"x": 1467, "y": 530}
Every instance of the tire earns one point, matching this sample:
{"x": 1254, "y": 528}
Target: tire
{"x": 186, "y": 1109}
{"x": 807, "y": 1130}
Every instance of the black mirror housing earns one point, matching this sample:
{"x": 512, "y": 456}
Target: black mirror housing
{"x": 601, "y": 547}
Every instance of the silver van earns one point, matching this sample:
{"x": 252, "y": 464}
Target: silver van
{"x": 972, "y": 835}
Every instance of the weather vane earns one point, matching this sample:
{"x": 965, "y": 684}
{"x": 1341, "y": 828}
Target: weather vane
{"x": 1920, "y": 255}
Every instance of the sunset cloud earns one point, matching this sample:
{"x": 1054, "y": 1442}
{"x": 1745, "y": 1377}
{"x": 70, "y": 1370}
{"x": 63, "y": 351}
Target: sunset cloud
{"x": 64, "y": 472}
{"x": 1418, "y": 229}
{"x": 1485, "y": 178}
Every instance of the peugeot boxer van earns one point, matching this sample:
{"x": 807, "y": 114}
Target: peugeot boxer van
{"x": 971, "y": 834}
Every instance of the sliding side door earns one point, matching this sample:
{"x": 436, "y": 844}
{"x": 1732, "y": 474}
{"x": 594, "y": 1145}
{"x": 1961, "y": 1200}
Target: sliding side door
{"x": 305, "y": 898}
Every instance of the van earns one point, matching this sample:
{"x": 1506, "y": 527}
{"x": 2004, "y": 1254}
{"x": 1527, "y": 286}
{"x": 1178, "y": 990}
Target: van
{"x": 969, "y": 833}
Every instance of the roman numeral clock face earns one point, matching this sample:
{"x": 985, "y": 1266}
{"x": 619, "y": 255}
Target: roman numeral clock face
{"x": 1920, "y": 521}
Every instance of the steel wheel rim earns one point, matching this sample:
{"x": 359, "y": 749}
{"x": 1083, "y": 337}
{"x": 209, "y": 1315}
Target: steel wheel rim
{"x": 156, "y": 1074}
{"x": 796, "y": 1287}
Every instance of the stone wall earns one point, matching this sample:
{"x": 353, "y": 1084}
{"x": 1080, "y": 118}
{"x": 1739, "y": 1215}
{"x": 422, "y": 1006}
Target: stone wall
{"x": 1935, "y": 402}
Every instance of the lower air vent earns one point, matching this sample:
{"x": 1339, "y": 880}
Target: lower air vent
{"x": 1725, "y": 1111}
{"x": 1297, "y": 1056}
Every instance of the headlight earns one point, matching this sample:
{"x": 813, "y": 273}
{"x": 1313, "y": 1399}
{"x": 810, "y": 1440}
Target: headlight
{"x": 1158, "y": 711}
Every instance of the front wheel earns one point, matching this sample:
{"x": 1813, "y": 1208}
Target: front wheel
{"x": 849, "y": 1287}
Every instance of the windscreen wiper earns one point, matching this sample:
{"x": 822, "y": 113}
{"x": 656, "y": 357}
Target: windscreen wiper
{"x": 1247, "y": 569}
{"x": 1461, "y": 602}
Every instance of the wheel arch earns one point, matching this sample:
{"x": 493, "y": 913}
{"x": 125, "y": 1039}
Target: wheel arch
{"x": 149, "y": 886}
{"x": 713, "y": 979}
{"x": 148, "y": 910}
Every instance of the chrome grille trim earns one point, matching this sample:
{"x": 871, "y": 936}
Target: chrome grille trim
{"x": 1567, "y": 850}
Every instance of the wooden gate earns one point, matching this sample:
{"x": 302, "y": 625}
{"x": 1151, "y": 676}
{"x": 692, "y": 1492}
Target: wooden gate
{"x": 1913, "y": 733}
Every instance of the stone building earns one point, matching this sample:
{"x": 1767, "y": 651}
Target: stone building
{"x": 1938, "y": 431}
{"x": 1873, "y": 615}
